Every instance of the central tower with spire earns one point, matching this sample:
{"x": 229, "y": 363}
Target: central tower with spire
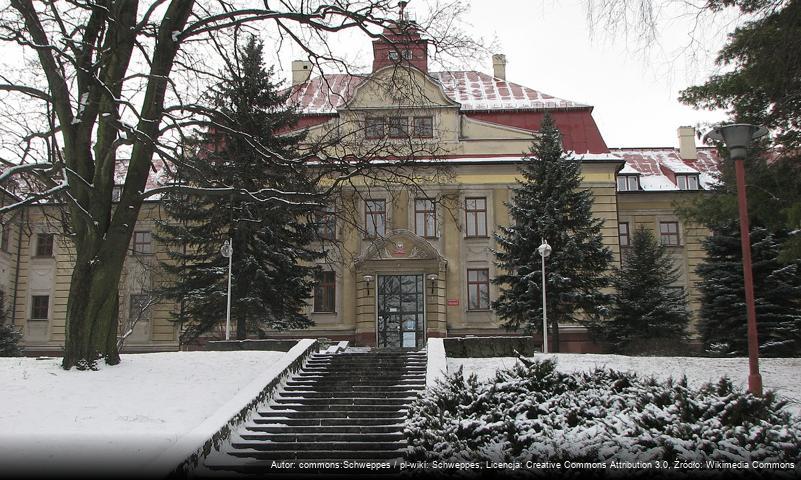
{"x": 401, "y": 44}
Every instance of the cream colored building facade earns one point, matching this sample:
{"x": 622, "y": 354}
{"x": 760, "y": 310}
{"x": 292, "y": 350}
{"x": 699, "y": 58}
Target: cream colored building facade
{"x": 415, "y": 261}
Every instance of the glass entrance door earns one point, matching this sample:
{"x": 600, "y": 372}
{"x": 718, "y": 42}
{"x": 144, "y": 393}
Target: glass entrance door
{"x": 400, "y": 311}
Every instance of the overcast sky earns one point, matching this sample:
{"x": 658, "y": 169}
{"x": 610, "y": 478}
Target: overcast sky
{"x": 549, "y": 48}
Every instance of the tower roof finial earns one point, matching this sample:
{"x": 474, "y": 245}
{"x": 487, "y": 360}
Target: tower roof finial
{"x": 402, "y": 5}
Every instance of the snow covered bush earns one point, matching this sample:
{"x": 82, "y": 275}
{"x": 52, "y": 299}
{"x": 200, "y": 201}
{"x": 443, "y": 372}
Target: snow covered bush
{"x": 9, "y": 341}
{"x": 533, "y": 412}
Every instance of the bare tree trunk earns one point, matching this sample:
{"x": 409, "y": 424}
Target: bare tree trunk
{"x": 93, "y": 309}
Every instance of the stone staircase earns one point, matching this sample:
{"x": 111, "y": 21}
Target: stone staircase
{"x": 346, "y": 407}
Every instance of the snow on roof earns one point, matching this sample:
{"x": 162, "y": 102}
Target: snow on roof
{"x": 324, "y": 95}
{"x": 654, "y": 164}
{"x": 479, "y": 91}
{"x": 475, "y": 91}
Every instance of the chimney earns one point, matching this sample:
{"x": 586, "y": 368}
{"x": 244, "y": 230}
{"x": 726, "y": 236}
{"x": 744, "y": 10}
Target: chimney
{"x": 687, "y": 150}
{"x": 499, "y": 66}
{"x": 301, "y": 71}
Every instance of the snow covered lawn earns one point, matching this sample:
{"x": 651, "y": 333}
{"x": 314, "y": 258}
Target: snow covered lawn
{"x": 127, "y": 414}
{"x": 780, "y": 374}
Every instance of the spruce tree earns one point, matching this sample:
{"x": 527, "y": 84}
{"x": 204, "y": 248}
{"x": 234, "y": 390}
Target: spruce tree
{"x": 777, "y": 292}
{"x": 549, "y": 203}
{"x": 644, "y": 305}
{"x": 272, "y": 272}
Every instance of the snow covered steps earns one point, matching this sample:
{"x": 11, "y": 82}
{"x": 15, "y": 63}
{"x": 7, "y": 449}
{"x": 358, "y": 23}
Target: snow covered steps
{"x": 344, "y": 407}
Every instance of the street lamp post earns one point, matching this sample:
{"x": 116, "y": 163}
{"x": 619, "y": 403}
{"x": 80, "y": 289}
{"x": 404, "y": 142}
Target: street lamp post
{"x": 738, "y": 138}
{"x": 544, "y": 250}
{"x": 227, "y": 251}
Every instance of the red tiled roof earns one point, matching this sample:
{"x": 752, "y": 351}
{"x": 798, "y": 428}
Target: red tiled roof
{"x": 479, "y": 91}
{"x": 475, "y": 91}
{"x": 656, "y": 166}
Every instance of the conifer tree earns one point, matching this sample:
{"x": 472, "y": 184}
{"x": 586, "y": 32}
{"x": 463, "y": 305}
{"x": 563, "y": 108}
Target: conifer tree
{"x": 777, "y": 292}
{"x": 272, "y": 276}
{"x": 644, "y": 305}
{"x": 549, "y": 203}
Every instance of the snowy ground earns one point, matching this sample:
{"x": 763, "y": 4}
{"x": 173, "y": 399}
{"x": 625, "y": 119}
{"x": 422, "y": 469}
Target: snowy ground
{"x": 780, "y": 374}
{"x": 127, "y": 414}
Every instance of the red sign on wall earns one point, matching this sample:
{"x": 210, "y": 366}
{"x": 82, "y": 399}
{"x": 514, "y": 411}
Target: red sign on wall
{"x": 452, "y": 302}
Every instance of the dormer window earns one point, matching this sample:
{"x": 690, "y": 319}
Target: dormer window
{"x": 628, "y": 183}
{"x": 687, "y": 182}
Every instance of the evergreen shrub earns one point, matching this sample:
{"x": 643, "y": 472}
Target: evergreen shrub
{"x": 9, "y": 341}
{"x": 533, "y": 412}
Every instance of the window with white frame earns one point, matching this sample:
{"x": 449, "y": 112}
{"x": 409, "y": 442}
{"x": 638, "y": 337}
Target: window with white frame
{"x": 478, "y": 289}
{"x": 628, "y": 183}
{"x": 669, "y": 233}
{"x": 425, "y": 218}
{"x": 375, "y": 217}
{"x": 475, "y": 209}
{"x": 142, "y": 243}
{"x": 687, "y": 182}
{"x": 623, "y": 233}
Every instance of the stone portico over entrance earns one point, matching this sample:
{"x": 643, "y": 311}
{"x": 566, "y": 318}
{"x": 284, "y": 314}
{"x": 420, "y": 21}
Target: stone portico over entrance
{"x": 400, "y": 295}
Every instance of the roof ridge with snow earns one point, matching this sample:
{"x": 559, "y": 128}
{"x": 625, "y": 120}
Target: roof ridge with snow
{"x": 474, "y": 90}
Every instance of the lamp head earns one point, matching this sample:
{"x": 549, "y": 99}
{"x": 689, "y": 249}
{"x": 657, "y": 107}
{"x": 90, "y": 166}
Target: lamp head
{"x": 737, "y": 137}
{"x": 226, "y": 250}
{"x": 544, "y": 249}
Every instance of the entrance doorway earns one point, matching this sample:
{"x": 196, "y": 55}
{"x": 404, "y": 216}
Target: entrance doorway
{"x": 401, "y": 310}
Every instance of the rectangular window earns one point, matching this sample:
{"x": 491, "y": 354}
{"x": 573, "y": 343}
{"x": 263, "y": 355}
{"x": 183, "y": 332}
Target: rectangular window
{"x": 628, "y": 183}
{"x": 425, "y": 218}
{"x": 375, "y": 217}
{"x": 325, "y": 292}
{"x": 5, "y": 238}
{"x": 475, "y": 217}
{"x": 40, "y": 307}
{"x": 398, "y": 127}
{"x": 326, "y": 222}
{"x": 669, "y": 233}
{"x": 623, "y": 233}
{"x": 423, "y": 127}
{"x": 44, "y": 245}
{"x": 142, "y": 244}
{"x": 478, "y": 289}
{"x": 139, "y": 310}
{"x": 687, "y": 182}
{"x": 374, "y": 127}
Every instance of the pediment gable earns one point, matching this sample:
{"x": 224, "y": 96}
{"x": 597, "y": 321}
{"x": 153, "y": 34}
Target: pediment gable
{"x": 399, "y": 87}
{"x": 400, "y": 245}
